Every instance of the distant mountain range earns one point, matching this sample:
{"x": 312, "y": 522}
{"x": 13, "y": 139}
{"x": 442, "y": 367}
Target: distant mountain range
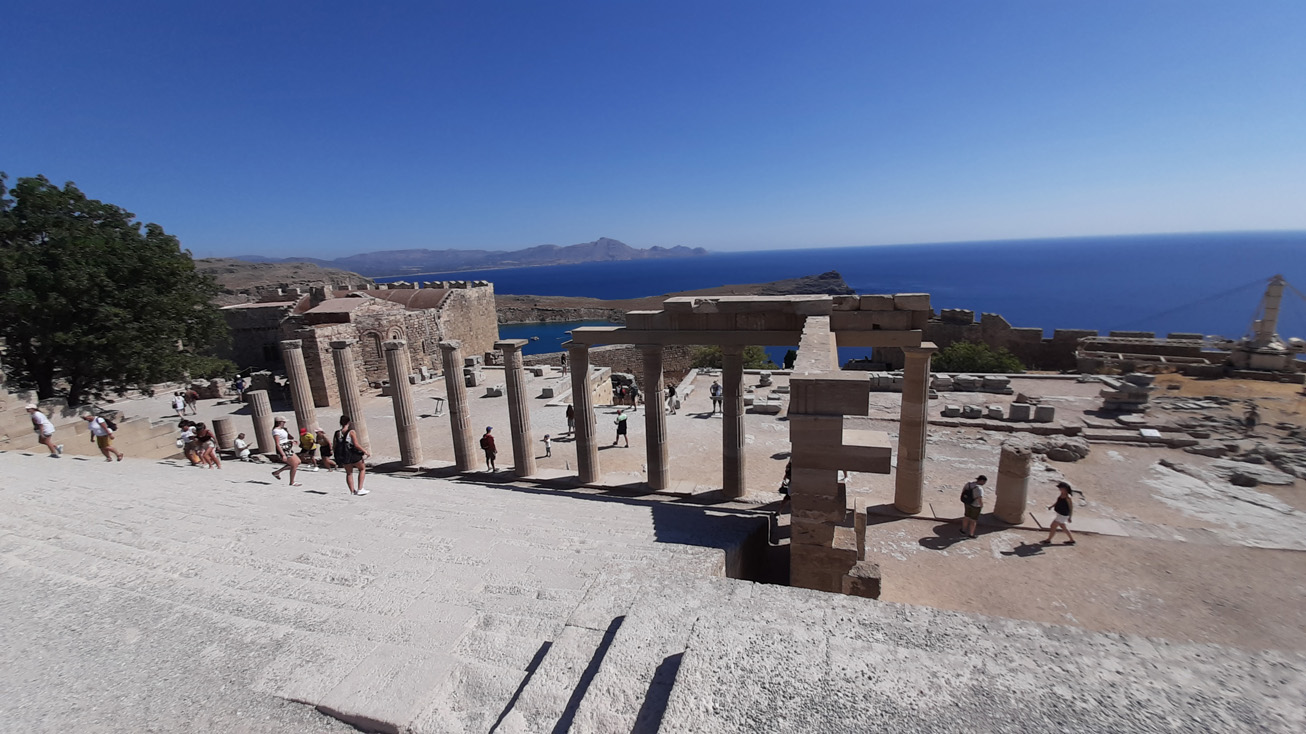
{"x": 411, "y": 262}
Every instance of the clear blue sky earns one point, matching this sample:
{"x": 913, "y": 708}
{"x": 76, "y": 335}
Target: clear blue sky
{"x": 324, "y": 128}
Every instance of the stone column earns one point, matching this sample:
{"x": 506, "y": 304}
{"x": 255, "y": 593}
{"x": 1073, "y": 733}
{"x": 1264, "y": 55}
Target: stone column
{"x": 301, "y": 392}
{"x": 460, "y": 420}
{"x": 910, "y": 479}
{"x": 342, "y": 356}
{"x": 519, "y": 409}
{"x": 732, "y": 433}
{"x": 587, "y": 450}
{"x": 225, "y": 432}
{"x": 261, "y": 409}
{"x": 397, "y": 366}
{"x": 655, "y": 417}
{"x": 1013, "y": 481}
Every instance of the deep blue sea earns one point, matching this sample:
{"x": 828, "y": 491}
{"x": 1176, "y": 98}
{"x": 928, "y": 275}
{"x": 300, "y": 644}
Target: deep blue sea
{"x": 1207, "y": 283}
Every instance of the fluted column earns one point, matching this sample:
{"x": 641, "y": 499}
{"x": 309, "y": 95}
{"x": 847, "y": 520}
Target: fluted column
{"x": 397, "y": 366}
{"x": 261, "y": 410}
{"x": 655, "y": 417}
{"x": 910, "y": 480}
{"x": 460, "y": 420}
{"x": 301, "y": 393}
{"x": 587, "y": 450}
{"x": 342, "y": 356}
{"x": 519, "y": 410}
{"x": 224, "y": 431}
{"x": 732, "y": 433}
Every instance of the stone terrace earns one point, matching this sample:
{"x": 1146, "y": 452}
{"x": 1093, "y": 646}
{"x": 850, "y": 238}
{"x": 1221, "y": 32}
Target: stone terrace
{"x": 148, "y": 595}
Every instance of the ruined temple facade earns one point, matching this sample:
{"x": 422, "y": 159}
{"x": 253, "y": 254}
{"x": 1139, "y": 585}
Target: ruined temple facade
{"x": 422, "y": 317}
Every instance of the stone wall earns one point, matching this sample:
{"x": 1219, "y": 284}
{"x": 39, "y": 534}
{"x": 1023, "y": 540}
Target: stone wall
{"x": 1026, "y": 343}
{"x": 255, "y": 335}
{"x": 469, "y": 316}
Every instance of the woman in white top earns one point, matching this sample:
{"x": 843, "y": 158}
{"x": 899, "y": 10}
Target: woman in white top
{"x": 285, "y": 451}
{"x": 101, "y": 436}
{"x": 45, "y": 429}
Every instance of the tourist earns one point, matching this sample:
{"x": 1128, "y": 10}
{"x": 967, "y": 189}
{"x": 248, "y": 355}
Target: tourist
{"x": 548, "y": 446}
{"x": 285, "y": 451}
{"x": 324, "y": 451}
{"x": 571, "y": 418}
{"x": 45, "y": 430}
{"x": 102, "y": 436}
{"x": 621, "y": 428}
{"x": 207, "y": 446}
{"x": 1251, "y": 418}
{"x": 242, "y": 447}
{"x": 972, "y": 500}
{"x": 1065, "y": 508}
{"x": 350, "y": 454}
{"x": 179, "y": 404}
{"x": 487, "y": 444}
{"x": 187, "y": 444}
{"x": 564, "y": 363}
{"x": 715, "y": 392}
{"x": 308, "y": 448}
{"x": 240, "y": 388}
{"x": 634, "y": 396}
{"x": 193, "y": 401}
{"x": 671, "y": 399}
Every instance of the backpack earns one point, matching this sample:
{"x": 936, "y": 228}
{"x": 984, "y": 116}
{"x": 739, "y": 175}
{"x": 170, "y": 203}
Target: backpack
{"x": 485, "y": 442}
{"x": 967, "y": 494}
{"x": 110, "y": 424}
{"x": 341, "y": 449}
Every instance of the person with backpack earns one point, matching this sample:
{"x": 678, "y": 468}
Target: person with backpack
{"x": 102, "y": 435}
{"x": 487, "y": 445}
{"x": 972, "y": 500}
{"x": 350, "y": 455}
{"x": 1064, "y": 507}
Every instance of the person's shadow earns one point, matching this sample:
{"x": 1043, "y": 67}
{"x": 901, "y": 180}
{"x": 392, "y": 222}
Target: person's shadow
{"x": 945, "y": 536}
{"x": 1024, "y": 550}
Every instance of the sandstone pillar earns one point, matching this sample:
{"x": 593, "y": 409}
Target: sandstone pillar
{"x": 342, "y": 356}
{"x": 225, "y": 432}
{"x": 465, "y": 455}
{"x": 519, "y": 409}
{"x": 655, "y": 417}
{"x": 732, "y": 433}
{"x": 587, "y": 449}
{"x": 913, "y": 417}
{"x": 1013, "y": 481}
{"x": 301, "y": 392}
{"x": 261, "y": 409}
{"x": 397, "y": 366}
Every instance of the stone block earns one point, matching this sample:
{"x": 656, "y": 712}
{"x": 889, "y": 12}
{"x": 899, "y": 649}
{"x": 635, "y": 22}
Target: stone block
{"x": 920, "y": 319}
{"x": 535, "y": 370}
{"x": 951, "y": 411}
{"x": 819, "y": 567}
{"x": 1140, "y": 379}
{"x": 863, "y": 580}
{"x": 911, "y": 301}
{"x": 1020, "y": 412}
{"x": 494, "y": 391}
{"x": 876, "y": 303}
{"x": 770, "y": 406}
{"x": 941, "y": 382}
{"x": 835, "y": 393}
{"x": 994, "y": 412}
{"x": 547, "y": 392}
{"x": 847, "y": 303}
{"x": 892, "y": 320}
{"x": 972, "y": 411}
{"x": 1044, "y": 413}
{"x": 808, "y": 532}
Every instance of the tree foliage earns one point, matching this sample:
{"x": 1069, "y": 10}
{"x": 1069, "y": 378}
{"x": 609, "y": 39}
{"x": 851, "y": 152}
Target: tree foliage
{"x": 92, "y": 300}
{"x": 754, "y": 358}
{"x": 975, "y": 357}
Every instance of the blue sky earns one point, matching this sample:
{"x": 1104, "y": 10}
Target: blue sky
{"x": 322, "y": 128}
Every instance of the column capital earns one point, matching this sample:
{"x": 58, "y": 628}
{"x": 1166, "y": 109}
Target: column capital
{"x": 450, "y": 345}
{"x": 510, "y": 345}
{"x": 924, "y": 350}
{"x": 395, "y": 344}
{"x": 343, "y": 343}
{"x": 292, "y": 344}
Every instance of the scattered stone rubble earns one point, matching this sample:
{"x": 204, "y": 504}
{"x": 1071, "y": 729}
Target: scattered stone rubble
{"x": 1128, "y": 394}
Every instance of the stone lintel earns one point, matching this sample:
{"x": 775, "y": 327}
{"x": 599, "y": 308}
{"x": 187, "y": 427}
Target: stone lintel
{"x": 343, "y": 343}
{"x": 511, "y": 344}
{"x": 830, "y": 393}
{"x": 292, "y": 343}
{"x": 878, "y": 338}
{"x": 591, "y": 335}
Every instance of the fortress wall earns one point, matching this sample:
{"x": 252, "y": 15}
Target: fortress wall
{"x": 469, "y": 316}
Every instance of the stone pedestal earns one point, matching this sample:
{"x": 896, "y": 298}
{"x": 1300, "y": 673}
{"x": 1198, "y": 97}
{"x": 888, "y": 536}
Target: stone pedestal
{"x": 301, "y": 392}
{"x": 224, "y": 430}
{"x": 910, "y": 479}
{"x": 261, "y": 410}
{"x": 1013, "y": 481}
{"x": 587, "y": 449}
{"x": 465, "y": 455}
{"x": 342, "y": 356}
{"x": 519, "y": 412}
{"x": 863, "y": 580}
{"x": 397, "y": 366}
{"x": 732, "y": 429}
{"x": 655, "y": 418}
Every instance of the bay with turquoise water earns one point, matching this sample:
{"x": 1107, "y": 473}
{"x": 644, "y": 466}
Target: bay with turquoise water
{"x": 1209, "y": 283}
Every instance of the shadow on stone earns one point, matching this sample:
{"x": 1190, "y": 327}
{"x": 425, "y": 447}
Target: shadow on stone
{"x": 649, "y": 718}
{"x": 582, "y": 686}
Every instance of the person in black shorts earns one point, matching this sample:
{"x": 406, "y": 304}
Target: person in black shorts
{"x": 1064, "y": 507}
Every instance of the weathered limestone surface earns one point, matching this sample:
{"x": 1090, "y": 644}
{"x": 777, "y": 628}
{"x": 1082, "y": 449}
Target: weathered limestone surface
{"x": 261, "y": 412}
{"x": 301, "y": 393}
{"x": 1012, "y": 489}
{"x": 519, "y": 413}
{"x": 587, "y": 448}
{"x": 909, "y": 482}
{"x": 732, "y": 428}
{"x": 342, "y": 356}
{"x": 655, "y": 418}
{"x": 465, "y": 455}
{"x": 410, "y": 443}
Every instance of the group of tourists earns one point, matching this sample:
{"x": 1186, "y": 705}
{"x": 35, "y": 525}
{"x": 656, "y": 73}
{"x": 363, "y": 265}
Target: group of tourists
{"x": 314, "y": 449}
{"x": 972, "y": 500}
{"x": 101, "y": 430}
{"x": 199, "y": 444}
{"x": 184, "y": 400}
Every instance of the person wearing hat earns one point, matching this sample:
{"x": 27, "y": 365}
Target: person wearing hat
{"x": 101, "y": 436}
{"x": 285, "y": 451}
{"x": 1064, "y": 506}
{"x": 487, "y": 444}
{"x": 45, "y": 429}
{"x": 308, "y": 447}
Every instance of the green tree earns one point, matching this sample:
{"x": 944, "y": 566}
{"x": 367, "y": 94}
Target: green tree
{"x": 92, "y": 300}
{"x": 975, "y": 357}
{"x": 754, "y": 358}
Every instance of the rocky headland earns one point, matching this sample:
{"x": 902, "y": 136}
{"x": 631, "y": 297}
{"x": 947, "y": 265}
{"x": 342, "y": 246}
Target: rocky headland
{"x": 537, "y": 309}
{"x": 241, "y": 281}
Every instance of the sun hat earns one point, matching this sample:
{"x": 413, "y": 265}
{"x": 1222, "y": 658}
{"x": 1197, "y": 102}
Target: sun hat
{"x": 30, "y": 406}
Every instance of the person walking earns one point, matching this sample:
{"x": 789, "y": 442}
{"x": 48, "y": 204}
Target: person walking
{"x": 621, "y": 428}
{"x": 671, "y": 399}
{"x": 193, "y": 401}
{"x": 325, "y": 450}
{"x": 714, "y": 392}
{"x": 571, "y": 418}
{"x": 189, "y": 447}
{"x": 44, "y": 429}
{"x": 102, "y": 436}
{"x": 1064, "y": 506}
{"x": 972, "y": 501}
{"x": 285, "y": 451}
{"x": 350, "y": 455}
{"x": 207, "y": 446}
{"x": 179, "y": 404}
{"x": 240, "y": 388}
{"x": 548, "y": 446}
{"x": 487, "y": 445}
{"x": 564, "y": 363}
